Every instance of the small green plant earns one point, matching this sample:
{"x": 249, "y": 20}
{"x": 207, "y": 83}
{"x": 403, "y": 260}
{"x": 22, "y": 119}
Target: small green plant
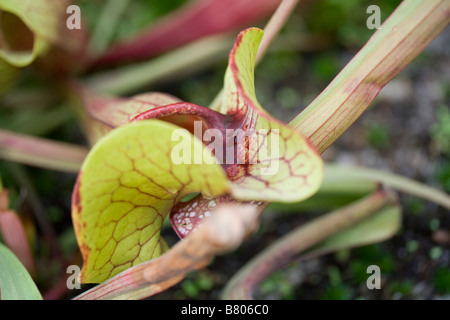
{"x": 440, "y": 132}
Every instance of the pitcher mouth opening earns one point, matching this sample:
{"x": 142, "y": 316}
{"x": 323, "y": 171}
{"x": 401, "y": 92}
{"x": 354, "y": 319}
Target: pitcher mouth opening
{"x": 15, "y": 36}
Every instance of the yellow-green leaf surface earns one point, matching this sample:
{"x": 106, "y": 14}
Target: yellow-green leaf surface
{"x": 125, "y": 189}
{"x": 283, "y": 165}
{"x": 29, "y": 27}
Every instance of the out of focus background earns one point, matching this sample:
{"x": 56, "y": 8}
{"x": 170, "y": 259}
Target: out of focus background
{"x": 406, "y": 130}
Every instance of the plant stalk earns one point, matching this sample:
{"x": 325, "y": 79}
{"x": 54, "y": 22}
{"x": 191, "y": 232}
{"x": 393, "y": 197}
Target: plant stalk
{"x": 285, "y": 249}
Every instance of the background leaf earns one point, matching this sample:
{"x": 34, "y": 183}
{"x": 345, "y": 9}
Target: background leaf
{"x": 100, "y": 114}
{"x": 41, "y": 152}
{"x": 8, "y": 75}
{"x": 196, "y": 19}
{"x": 225, "y": 230}
{"x": 125, "y": 189}
{"x": 338, "y": 224}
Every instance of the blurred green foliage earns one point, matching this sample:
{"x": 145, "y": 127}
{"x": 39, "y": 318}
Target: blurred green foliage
{"x": 434, "y": 224}
{"x": 414, "y": 206}
{"x": 195, "y": 284}
{"x": 138, "y": 14}
{"x": 370, "y": 255}
{"x": 346, "y": 19}
{"x": 325, "y": 66}
{"x": 440, "y": 131}
{"x": 378, "y": 136}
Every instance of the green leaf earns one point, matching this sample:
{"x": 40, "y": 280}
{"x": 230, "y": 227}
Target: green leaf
{"x": 127, "y": 186}
{"x": 15, "y": 282}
